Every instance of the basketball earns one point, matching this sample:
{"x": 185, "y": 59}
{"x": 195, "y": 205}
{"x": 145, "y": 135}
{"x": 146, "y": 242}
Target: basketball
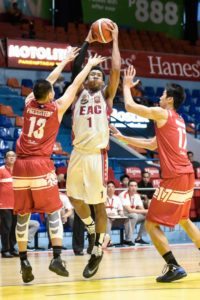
{"x": 100, "y": 30}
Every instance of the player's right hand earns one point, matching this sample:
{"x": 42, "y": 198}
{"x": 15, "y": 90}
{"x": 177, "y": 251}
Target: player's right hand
{"x": 90, "y": 38}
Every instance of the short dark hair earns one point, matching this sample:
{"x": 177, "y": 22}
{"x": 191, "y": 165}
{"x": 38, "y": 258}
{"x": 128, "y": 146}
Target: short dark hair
{"x": 124, "y": 176}
{"x": 112, "y": 182}
{"x": 41, "y": 89}
{"x": 132, "y": 180}
{"x": 99, "y": 69}
{"x": 145, "y": 172}
{"x": 190, "y": 152}
{"x": 177, "y": 92}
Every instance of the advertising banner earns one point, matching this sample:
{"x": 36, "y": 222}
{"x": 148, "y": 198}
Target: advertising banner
{"x": 35, "y": 55}
{"x": 156, "y": 65}
{"x": 44, "y": 55}
{"x": 153, "y": 15}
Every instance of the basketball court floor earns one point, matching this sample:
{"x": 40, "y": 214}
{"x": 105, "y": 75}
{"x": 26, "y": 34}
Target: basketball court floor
{"x": 125, "y": 273}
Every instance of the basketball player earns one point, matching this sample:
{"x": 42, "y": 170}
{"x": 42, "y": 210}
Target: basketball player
{"x": 171, "y": 202}
{"x": 35, "y": 181}
{"x": 87, "y": 169}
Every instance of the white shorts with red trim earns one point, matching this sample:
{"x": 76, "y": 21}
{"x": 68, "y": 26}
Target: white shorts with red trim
{"x": 87, "y": 176}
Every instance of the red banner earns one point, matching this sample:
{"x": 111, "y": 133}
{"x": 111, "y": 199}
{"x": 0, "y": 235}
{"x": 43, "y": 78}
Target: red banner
{"x": 44, "y": 55}
{"x": 157, "y": 65}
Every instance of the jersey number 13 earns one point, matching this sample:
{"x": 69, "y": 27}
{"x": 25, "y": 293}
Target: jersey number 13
{"x": 39, "y": 132}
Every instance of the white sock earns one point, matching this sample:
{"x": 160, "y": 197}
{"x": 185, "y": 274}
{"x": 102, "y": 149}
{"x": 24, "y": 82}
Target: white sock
{"x": 90, "y": 225}
{"x": 97, "y": 250}
{"x": 99, "y": 238}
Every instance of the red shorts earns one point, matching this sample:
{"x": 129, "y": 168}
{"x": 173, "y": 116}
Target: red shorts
{"x": 35, "y": 186}
{"x": 171, "y": 201}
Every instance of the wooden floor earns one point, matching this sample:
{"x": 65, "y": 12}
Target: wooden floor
{"x": 127, "y": 273}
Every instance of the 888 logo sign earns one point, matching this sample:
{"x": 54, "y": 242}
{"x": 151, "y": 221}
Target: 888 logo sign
{"x": 158, "y": 15}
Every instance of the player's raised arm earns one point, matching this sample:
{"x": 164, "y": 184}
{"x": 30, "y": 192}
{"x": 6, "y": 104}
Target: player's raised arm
{"x": 53, "y": 76}
{"x": 79, "y": 60}
{"x": 150, "y": 144}
{"x": 71, "y": 55}
{"x": 66, "y": 100}
{"x": 115, "y": 67}
{"x": 153, "y": 113}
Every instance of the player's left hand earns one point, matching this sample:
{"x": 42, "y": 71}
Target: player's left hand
{"x": 72, "y": 53}
{"x": 129, "y": 75}
{"x": 114, "y": 30}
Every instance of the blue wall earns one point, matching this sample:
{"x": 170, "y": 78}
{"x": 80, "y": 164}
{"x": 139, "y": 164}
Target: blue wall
{"x": 37, "y": 74}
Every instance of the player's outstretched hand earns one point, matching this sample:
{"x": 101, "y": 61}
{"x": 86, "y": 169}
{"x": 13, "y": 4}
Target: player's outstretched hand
{"x": 129, "y": 75}
{"x": 114, "y": 30}
{"x": 96, "y": 59}
{"x": 72, "y": 53}
{"x": 115, "y": 132}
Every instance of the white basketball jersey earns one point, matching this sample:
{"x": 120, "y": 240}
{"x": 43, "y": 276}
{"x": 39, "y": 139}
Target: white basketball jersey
{"x": 90, "y": 122}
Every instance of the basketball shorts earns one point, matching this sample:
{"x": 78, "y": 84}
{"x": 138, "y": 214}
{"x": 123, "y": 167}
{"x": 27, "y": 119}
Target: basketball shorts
{"x": 35, "y": 186}
{"x": 171, "y": 201}
{"x": 87, "y": 176}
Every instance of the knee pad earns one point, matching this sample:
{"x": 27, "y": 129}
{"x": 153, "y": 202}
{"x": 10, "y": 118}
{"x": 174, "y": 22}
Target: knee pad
{"x": 55, "y": 225}
{"x": 22, "y": 228}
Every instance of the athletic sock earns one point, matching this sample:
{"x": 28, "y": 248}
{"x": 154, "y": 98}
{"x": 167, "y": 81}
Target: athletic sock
{"x": 99, "y": 239}
{"x": 170, "y": 259}
{"x": 97, "y": 250}
{"x": 89, "y": 224}
{"x": 57, "y": 251}
{"x": 23, "y": 255}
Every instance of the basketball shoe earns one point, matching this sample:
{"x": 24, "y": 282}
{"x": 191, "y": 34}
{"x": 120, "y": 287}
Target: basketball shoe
{"x": 171, "y": 273}
{"x": 141, "y": 242}
{"x": 26, "y": 271}
{"x": 93, "y": 263}
{"x": 91, "y": 241}
{"x": 58, "y": 266}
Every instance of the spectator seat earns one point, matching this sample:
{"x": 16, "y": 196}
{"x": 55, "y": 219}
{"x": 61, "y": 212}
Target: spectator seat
{"x": 134, "y": 173}
{"x": 154, "y": 172}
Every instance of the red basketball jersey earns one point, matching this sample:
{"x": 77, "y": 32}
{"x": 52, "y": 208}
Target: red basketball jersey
{"x": 40, "y": 129}
{"x": 172, "y": 143}
{"x": 6, "y": 188}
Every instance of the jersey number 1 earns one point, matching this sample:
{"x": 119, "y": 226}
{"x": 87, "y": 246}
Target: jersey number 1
{"x": 39, "y": 132}
{"x": 90, "y": 121}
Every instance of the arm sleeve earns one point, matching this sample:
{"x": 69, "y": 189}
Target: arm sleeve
{"x": 77, "y": 66}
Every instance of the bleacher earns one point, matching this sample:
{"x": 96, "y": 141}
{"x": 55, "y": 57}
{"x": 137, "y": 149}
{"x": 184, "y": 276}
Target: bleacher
{"x": 75, "y": 33}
